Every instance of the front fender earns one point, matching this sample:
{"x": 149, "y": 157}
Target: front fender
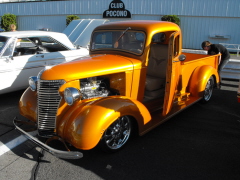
{"x": 86, "y": 125}
{"x": 200, "y": 78}
{"x": 28, "y": 104}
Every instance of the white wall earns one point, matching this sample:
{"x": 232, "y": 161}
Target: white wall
{"x": 199, "y": 19}
{"x": 55, "y": 23}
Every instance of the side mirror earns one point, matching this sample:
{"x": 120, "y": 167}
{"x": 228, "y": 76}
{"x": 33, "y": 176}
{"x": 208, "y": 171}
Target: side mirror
{"x": 182, "y": 57}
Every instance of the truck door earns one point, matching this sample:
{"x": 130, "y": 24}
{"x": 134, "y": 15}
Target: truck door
{"x": 173, "y": 71}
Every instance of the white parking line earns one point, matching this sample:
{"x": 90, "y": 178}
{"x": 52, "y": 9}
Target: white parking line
{"x": 13, "y": 143}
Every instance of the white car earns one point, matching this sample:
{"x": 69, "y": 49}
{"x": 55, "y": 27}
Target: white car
{"x": 25, "y": 53}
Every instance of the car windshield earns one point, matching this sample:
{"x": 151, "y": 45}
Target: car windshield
{"x": 131, "y": 41}
{"x": 3, "y": 41}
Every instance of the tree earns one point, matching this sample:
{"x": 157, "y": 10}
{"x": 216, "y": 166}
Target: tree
{"x": 70, "y": 18}
{"x": 171, "y": 18}
{"x": 7, "y": 20}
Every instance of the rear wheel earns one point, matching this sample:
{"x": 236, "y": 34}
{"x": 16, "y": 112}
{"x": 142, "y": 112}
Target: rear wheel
{"x": 208, "y": 90}
{"x": 116, "y": 135}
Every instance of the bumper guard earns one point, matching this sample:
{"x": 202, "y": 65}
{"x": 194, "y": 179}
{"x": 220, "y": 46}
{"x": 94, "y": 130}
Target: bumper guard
{"x": 55, "y": 152}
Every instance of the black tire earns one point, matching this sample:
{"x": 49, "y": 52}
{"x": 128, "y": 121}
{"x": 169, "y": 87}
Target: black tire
{"x": 116, "y": 135}
{"x": 208, "y": 90}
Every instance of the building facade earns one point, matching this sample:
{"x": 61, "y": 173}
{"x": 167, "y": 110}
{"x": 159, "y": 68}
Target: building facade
{"x": 215, "y": 20}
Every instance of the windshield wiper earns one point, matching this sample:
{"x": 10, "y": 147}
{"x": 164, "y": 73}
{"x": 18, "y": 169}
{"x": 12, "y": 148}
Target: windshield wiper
{"x": 116, "y": 43}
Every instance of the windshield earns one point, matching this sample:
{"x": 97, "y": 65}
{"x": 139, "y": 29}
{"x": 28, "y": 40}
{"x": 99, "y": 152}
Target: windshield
{"x": 131, "y": 41}
{"x": 3, "y": 41}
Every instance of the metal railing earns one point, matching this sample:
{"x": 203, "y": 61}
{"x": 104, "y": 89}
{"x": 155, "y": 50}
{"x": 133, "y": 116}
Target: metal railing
{"x": 234, "y": 47}
{"x": 231, "y": 70}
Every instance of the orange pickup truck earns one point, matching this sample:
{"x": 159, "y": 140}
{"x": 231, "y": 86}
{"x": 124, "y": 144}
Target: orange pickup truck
{"x": 135, "y": 78}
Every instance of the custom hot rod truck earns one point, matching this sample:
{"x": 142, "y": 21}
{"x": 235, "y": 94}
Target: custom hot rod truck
{"x": 135, "y": 78}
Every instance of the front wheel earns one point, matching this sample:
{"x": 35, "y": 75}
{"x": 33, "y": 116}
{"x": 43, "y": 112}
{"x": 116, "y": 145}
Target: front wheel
{"x": 208, "y": 90}
{"x": 116, "y": 135}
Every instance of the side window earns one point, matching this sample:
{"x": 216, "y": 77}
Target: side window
{"x": 37, "y": 45}
{"x": 49, "y": 45}
{"x": 176, "y": 46}
{"x": 24, "y": 47}
{"x": 159, "y": 38}
{"x": 24, "y": 42}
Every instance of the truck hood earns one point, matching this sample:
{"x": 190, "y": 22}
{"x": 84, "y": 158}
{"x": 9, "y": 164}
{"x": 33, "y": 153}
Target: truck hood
{"x": 90, "y": 67}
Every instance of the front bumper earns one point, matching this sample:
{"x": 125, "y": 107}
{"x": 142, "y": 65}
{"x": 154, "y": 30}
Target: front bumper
{"x": 55, "y": 152}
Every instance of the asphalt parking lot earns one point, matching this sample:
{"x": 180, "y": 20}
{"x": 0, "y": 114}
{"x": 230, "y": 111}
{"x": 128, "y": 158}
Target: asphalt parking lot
{"x": 202, "y": 142}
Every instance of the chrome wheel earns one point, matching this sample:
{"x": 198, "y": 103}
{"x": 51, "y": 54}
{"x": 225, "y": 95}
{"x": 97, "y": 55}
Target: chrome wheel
{"x": 208, "y": 90}
{"x": 117, "y": 134}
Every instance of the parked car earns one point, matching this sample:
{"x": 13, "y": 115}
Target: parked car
{"x": 25, "y": 53}
{"x": 135, "y": 78}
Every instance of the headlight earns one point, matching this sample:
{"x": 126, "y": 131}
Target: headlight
{"x": 33, "y": 83}
{"x": 71, "y": 95}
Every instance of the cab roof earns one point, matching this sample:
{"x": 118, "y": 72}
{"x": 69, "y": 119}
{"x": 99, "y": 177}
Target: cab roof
{"x": 144, "y": 25}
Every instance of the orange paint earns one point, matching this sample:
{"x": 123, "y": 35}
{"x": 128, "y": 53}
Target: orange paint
{"x": 84, "y": 123}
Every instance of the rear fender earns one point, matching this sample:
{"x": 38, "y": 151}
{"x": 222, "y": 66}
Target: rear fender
{"x": 200, "y": 78}
{"x": 86, "y": 125}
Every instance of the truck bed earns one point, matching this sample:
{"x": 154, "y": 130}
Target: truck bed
{"x": 197, "y": 57}
{"x": 195, "y": 60}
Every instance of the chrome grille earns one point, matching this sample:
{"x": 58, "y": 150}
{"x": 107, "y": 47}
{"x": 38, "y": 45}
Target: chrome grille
{"x": 48, "y": 103}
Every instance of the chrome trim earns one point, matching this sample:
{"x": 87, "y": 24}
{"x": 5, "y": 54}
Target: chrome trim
{"x": 48, "y": 104}
{"x": 55, "y": 152}
{"x": 17, "y": 69}
{"x": 34, "y": 80}
{"x": 75, "y": 95}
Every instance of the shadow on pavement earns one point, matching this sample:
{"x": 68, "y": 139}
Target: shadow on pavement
{"x": 201, "y": 142}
